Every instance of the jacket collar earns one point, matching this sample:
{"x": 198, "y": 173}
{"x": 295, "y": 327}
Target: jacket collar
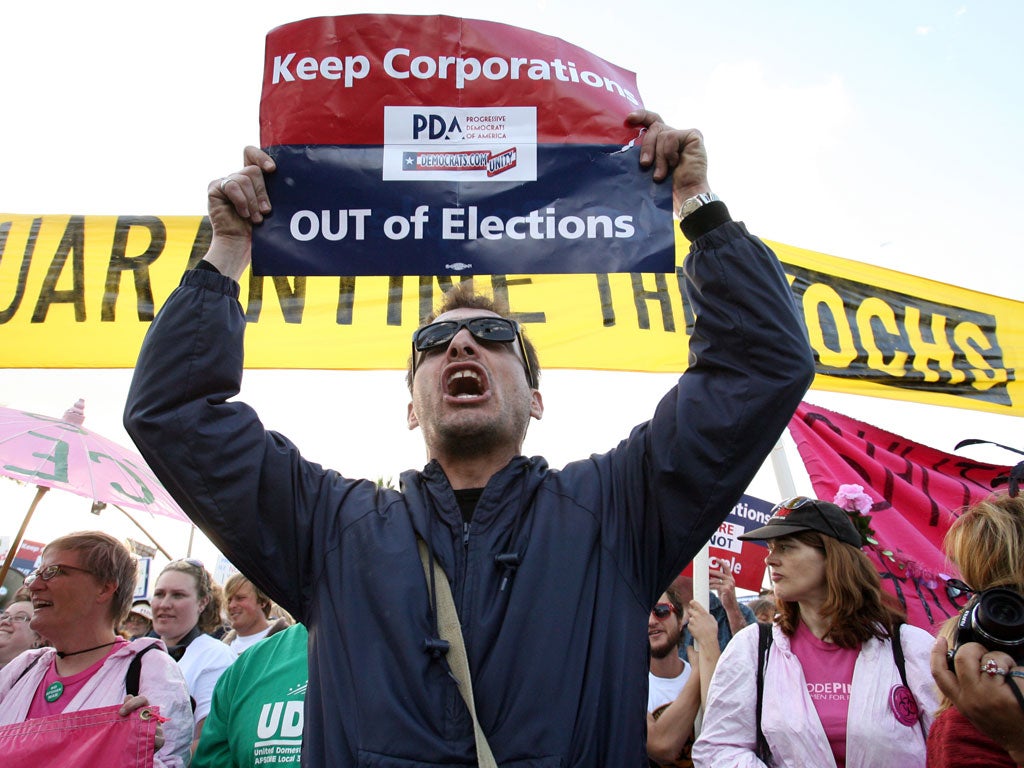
{"x": 505, "y": 486}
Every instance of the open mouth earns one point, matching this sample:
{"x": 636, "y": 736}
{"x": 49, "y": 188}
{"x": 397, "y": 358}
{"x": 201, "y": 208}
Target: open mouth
{"x": 465, "y": 383}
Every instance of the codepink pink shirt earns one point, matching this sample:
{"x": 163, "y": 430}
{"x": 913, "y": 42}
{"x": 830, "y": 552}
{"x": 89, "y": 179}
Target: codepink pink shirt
{"x": 70, "y": 685}
{"x": 160, "y": 681}
{"x": 828, "y": 672}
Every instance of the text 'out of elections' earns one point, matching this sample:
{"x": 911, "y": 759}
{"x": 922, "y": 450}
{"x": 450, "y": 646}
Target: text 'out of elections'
{"x": 459, "y": 223}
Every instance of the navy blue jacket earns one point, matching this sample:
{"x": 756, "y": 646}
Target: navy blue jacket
{"x": 559, "y": 656}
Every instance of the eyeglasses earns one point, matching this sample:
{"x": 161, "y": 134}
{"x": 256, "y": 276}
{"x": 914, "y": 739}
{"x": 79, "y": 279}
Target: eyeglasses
{"x": 15, "y": 618}
{"x": 188, "y": 561}
{"x": 50, "y": 571}
{"x": 956, "y": 589}
{"x": 798, "y": 502}
{"x": 663, "y": 610}
{"x": 486, "y": 329}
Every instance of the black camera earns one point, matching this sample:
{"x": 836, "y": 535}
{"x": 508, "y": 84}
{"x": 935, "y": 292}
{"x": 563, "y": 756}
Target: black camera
{"x": 994, "y": 618}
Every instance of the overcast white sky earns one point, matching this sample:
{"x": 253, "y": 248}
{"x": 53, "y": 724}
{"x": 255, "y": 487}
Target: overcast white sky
{"x": 882, "y": 132}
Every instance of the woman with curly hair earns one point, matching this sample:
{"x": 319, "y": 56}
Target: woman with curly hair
{"x": 833, "y": 693}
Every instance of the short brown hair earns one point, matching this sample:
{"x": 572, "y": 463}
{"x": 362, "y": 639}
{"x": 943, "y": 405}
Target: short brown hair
{"x": 463, "y": 296}
{"x": 855, "y": 606}
{"x": 108, "y": 560}
{"x": 239, "y": 580}
{"x": 763, "y": 608}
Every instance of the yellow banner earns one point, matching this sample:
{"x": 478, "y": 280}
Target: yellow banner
{"x": 79, "y": 292}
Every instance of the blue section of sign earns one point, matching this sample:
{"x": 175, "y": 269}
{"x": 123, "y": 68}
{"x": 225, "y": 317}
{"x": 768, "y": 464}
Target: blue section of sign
{"x": 592, "y": 209}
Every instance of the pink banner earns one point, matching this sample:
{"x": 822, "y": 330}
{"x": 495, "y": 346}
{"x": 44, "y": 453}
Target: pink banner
{"x": 915, "y": 490}
{"x": 83, "y": 739}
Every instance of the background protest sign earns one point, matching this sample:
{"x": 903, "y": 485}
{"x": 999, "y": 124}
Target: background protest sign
{"x": 411, "y": 145}
{"x": 744, "y": 558}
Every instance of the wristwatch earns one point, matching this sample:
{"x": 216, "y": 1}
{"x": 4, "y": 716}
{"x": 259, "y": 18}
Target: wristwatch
{"x": 691, "y": 204}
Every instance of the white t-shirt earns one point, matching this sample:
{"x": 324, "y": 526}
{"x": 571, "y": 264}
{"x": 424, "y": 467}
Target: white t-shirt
{"x": 665, "y": 690}
{"x": 240, "y": 643}
{"x": 204, "y": 662}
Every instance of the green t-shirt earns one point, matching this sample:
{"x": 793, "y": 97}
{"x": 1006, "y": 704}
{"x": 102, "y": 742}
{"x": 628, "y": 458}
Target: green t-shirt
{"x": 256, "y": 715}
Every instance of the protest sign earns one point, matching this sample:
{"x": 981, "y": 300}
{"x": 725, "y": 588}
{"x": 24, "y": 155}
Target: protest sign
{"x": 415, "y": 145}
{"x": 26, "y": 557}
{"x": 745, "y": 559}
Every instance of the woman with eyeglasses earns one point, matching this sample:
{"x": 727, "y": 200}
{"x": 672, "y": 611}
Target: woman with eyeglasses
{"x": 185, "y": 611}
{"x": 832, "y": 691}
{"x": 16, "y": 636}
{"x": 981, "y": 714}
{"x": 81, "y": 592}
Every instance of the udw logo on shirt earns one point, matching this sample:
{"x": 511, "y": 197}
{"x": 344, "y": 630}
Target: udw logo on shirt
{"x": 280, "y": 719}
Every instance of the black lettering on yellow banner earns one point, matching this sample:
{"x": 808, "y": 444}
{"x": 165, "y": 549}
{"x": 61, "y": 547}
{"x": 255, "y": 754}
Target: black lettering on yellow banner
{"x": 80, "y": 291}
{"x": 866, "y": 332}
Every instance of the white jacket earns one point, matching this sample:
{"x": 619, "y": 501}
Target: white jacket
{"x": 874, "y": 737}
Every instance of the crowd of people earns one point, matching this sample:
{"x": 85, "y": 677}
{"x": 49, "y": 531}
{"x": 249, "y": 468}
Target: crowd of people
{"x": 493, "y": 610}
{"x": 70, "y": 637}
{"x": 834, "y": 677}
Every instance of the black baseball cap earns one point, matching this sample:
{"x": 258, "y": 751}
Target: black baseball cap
{"x": 803, "y": 514}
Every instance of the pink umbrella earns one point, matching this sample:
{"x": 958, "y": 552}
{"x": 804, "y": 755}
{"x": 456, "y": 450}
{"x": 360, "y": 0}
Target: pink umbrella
{"x": 61, "y": 453}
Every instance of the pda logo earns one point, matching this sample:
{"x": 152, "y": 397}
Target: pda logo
{"x": 436, "y": 142}
{"x": 435, "y": 127}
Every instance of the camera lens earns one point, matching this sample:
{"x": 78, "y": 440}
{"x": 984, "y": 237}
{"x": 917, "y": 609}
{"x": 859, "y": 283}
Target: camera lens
{"x": 999, "y": 615}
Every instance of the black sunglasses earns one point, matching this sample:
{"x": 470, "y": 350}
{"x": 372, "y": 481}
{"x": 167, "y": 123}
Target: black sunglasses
{"x": 663, "y": 610}
{"x": 798, "y": 502}
{"x": 487, "y": 329}
{"x": 956, "y": 589}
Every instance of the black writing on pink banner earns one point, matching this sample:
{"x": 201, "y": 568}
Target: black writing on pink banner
{"x": 444, "y": 146}
{"x": 916, "y": 492}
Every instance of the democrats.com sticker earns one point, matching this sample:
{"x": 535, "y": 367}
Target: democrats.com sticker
{"x": 460, "y": 144}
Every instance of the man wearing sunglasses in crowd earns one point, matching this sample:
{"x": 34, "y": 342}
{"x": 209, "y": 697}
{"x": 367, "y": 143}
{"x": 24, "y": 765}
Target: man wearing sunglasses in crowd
{"x": 553, "y": 572}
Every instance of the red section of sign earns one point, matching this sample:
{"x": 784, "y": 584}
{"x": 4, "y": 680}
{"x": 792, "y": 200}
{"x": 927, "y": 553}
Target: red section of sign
{"x": 746, "y": 566}
{"x": 327, "y": 80}
{"x": 29, "y": 550}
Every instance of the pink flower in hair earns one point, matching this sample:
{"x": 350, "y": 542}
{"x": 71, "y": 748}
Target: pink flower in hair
{"x": 851, "y": 498}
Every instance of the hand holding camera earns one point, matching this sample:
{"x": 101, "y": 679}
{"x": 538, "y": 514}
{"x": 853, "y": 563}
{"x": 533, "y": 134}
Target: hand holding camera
{"x": 994, "y": 618}
{"x": 974, "y": 685}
